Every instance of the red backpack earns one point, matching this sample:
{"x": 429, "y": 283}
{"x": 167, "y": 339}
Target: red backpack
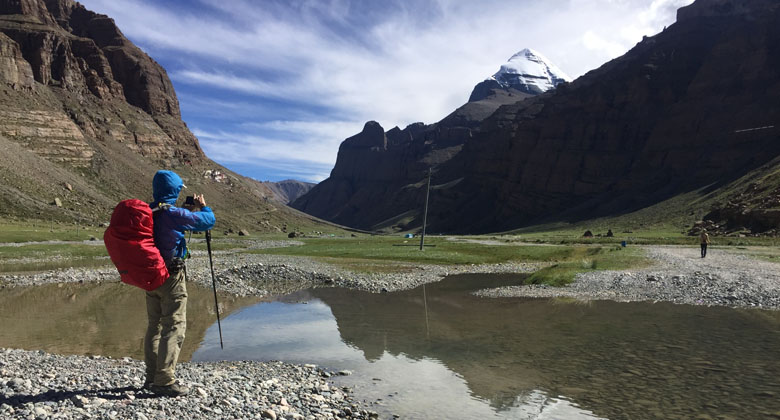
{"x": 129, "y": 240}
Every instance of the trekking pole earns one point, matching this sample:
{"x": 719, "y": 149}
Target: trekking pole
{"x": 214, "y": 283}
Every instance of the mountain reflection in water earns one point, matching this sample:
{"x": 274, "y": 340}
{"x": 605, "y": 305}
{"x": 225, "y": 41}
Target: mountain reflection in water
{"x": 437, "y": 351}
{"x": 108, "y": 319}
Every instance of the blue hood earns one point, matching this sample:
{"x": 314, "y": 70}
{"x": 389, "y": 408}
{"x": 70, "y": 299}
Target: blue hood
{"x": 166, "y": 186}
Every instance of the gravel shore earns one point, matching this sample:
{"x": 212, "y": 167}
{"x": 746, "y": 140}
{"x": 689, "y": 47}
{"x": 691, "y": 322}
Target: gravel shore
{"x": 38, "y": 385}
{"x": 726, "y": 277}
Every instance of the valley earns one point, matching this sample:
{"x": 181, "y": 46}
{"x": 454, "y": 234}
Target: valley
{"x": 560, "y": 275}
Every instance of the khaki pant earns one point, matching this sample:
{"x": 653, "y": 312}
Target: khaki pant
{"x": 166, "y": 308}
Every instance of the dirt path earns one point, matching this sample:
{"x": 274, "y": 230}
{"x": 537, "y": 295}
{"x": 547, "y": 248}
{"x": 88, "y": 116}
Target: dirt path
{"x": 729, "y": 277}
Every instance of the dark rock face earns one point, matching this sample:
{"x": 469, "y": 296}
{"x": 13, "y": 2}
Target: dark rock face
{"x": 662, "y": 120}
{"x": 379, "y": 177}
{"x": 484, "y": 89}
{"x": 665, "y": 118}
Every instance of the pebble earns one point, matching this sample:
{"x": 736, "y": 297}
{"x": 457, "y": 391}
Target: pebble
{"x": 102, "y": 387}
{"x": 725, "y": 278}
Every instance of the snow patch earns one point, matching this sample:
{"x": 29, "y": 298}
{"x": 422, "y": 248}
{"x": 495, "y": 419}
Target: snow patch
{"x": 529, "y": 71}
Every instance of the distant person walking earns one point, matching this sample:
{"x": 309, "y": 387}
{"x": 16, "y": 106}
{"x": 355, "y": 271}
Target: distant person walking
{"x": 166, "y": 306}
{"x": 704, "y": 238}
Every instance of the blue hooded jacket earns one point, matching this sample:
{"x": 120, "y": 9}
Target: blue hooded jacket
{"x": 169, "y": 225}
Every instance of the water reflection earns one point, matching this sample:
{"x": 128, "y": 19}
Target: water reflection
{"x": 441, "y": 352}
{"x": 107, "y": 319}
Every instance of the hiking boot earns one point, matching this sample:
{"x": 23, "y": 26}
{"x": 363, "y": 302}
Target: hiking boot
{"x": 172, "y": 390}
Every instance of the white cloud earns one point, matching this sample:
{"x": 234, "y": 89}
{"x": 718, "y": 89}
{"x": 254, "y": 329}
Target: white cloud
{"x": 646, "y": 20}
{"x": 231, "y": 82}
{"x": 304, "y": 149}
{"x": 245, "y": 148}
{"x": 412, "y": 61}
{"x": 611, "y": 49}
{"x": 312, "y": 129}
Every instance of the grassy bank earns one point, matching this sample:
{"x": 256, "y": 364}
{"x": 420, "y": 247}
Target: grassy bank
{"x": 17, "y": 232}
{"x": 36, "y": 257}
{"x": 658, "y": 235}
{"x": 37, "y": 246}
{"x": 438, "y": 250}
{"x": 394, "y": 254}
{"x": 590, "y": 259}
{"x": 564, "y": 250}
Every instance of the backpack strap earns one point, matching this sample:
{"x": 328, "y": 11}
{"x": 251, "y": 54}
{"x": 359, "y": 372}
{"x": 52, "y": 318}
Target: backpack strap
{"x": 161, "y": 206}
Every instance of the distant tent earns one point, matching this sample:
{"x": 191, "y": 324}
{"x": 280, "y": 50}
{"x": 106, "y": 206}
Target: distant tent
{"x": 409, "y": 236}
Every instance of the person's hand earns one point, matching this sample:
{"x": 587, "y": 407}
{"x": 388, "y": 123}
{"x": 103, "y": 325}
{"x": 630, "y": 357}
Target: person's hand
{"x": 200, "y": 200}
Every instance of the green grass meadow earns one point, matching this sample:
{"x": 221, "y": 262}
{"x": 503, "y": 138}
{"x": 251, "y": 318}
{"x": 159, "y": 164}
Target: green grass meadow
{"x": 24, "y": 249}
{"x": 47, "y": 231}
{"x": 387, "y": 253}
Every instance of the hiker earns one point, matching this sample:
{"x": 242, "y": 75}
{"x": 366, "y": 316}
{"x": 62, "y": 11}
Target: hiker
{"x": 704, "y": 238}
{"x": 166, "y": 306}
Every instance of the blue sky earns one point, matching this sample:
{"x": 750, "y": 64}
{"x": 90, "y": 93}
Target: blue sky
{"x": 272, "y": 87}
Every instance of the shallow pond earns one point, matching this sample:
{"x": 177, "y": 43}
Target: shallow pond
{"x": 439, "y": 352}
{"x": 107, "y": 319}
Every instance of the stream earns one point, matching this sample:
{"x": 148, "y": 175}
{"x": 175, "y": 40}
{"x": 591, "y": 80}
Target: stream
{"x": 440, "y": 352}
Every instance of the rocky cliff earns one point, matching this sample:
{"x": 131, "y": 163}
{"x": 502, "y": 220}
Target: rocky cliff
{"x": 675, "y": 114}
{"x": 376, "y": 182}
{"x": 86, "y": 118}
{"x": 58, "y": 51}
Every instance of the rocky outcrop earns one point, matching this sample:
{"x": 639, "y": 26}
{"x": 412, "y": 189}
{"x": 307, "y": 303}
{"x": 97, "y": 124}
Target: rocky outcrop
{"x": 754, "y": 210}
{"x": 14, "y": 70}
{"x": 77, "y": 49}
{"x": 673, "y": 115}
{"x": 50, "y": 134}
{"x": 35, "y": 9}
{"x": 73, "y": 59}
{"x": 86, "y": 117}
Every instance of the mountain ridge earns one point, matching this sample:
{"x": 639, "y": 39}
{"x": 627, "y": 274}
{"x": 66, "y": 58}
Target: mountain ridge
{"x": 527, "y": 72}
{"x": 86, "y": 119}
{"x": 288, "y": 190}
{"x": 375, "y": 166}
{"x": 661, "y": 120}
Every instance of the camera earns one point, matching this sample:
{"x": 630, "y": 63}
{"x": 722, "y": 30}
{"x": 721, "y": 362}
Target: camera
{"x": 189, "y": 201}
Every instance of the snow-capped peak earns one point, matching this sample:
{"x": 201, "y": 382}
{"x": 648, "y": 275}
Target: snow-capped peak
{"x": 530, "y": 72}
